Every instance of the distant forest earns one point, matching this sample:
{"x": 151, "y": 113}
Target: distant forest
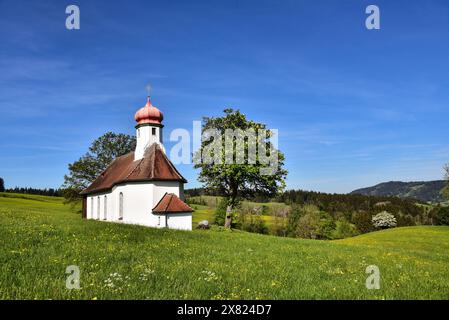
{"x": 41, "y": 192}
{"x": 328, "y": 202}
{"x": 341, "y": 203}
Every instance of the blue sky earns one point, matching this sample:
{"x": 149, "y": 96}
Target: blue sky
{"x": 353, "y": 107}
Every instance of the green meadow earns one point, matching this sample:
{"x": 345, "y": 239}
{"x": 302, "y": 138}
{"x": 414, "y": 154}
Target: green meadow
{"x": 40, "y": 237}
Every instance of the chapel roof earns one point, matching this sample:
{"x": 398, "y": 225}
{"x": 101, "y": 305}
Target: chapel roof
{"x": 170, "y": 203}
{"x": 154, "y": 166}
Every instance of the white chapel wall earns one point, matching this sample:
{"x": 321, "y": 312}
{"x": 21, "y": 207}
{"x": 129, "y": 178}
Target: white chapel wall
{"x": 162, "y": 187}
{"x": 139, "y": 198}
{"x": 137, "y": 202}
{"x": 180, "y": 221}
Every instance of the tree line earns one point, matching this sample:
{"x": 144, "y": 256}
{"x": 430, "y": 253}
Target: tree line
{"x": 41, "y": 192}
{"x": 331, "y": 203}
{"x": 51, "y": 192}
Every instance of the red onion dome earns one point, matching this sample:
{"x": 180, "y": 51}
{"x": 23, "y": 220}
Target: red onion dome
{"x": 149, "y": 114}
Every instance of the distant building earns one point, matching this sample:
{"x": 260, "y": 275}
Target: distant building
{"x": 142, "y": 187}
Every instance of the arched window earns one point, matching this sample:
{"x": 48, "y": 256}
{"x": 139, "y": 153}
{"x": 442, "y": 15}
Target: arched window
{"x": 105, "y": 208}
{"x": 98, "y": 208}
{"x": 91, "y": 213}
{"x": 120, "y": 206}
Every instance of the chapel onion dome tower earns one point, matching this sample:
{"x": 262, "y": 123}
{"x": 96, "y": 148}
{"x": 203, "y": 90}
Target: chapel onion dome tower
{"x": 149, "y": 114}
{"x": 148, "y": 129}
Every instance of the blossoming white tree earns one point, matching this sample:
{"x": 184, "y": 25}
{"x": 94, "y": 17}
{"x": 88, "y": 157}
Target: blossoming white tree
{"x": 384, "y": 220}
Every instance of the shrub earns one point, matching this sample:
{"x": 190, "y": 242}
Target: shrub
{"x": 405, "y": 220}
{"x": 252, "y": 223}
{"x": 309, "y": 222}
{"x": 309, "y": 225}
{"x": 220, "y": 214}
{"x": 327, "y": 226}
{"x": 344, "y": 229}
{"x": 293, "y": 219}
{"x": 279, "y": 227}
{"x": 265, "y": 210}
{"x": 384, "y": 220}
{"x": 442, "y": 216}
{"x": 362, "y": 221}
{"x": 278, "y": 209}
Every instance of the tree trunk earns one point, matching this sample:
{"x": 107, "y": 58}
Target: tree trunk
{"x": 228, "y": 219}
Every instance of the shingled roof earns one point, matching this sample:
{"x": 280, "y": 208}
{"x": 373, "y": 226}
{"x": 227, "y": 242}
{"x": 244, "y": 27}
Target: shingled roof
{"x": 170, "y": 203}
{"x": 154, "y": 166}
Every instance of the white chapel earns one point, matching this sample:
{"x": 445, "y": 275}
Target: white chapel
{"x": 142, "y": 187}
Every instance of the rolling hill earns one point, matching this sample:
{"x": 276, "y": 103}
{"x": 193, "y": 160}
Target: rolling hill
{"x": 429, "y": 191}
{"x": 41, "y": 237}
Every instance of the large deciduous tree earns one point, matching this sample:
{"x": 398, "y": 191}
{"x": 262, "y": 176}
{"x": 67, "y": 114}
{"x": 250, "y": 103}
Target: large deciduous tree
{"x": 101, "y": 153}
{"x": 239, "y": 169}
{"x": 2, "y": 185}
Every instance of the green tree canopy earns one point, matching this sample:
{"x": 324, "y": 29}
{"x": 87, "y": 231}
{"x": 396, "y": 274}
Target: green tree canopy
{"x": 442, "y": 216}
{"x": 87, "y": 168}
{"x": 2, "y": 185}
{"x": 233, "y": 178}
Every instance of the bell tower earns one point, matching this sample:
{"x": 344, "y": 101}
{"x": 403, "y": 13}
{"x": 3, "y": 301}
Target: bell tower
{"x": 148, "y": 129}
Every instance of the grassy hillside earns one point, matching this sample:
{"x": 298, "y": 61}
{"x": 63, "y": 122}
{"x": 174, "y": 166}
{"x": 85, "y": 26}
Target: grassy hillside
{"x": 430, "y": 191}
{"x": 40, "y": 237}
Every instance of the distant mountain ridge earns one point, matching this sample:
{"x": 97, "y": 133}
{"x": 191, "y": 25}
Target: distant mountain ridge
{"x": 422, "y": 190}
